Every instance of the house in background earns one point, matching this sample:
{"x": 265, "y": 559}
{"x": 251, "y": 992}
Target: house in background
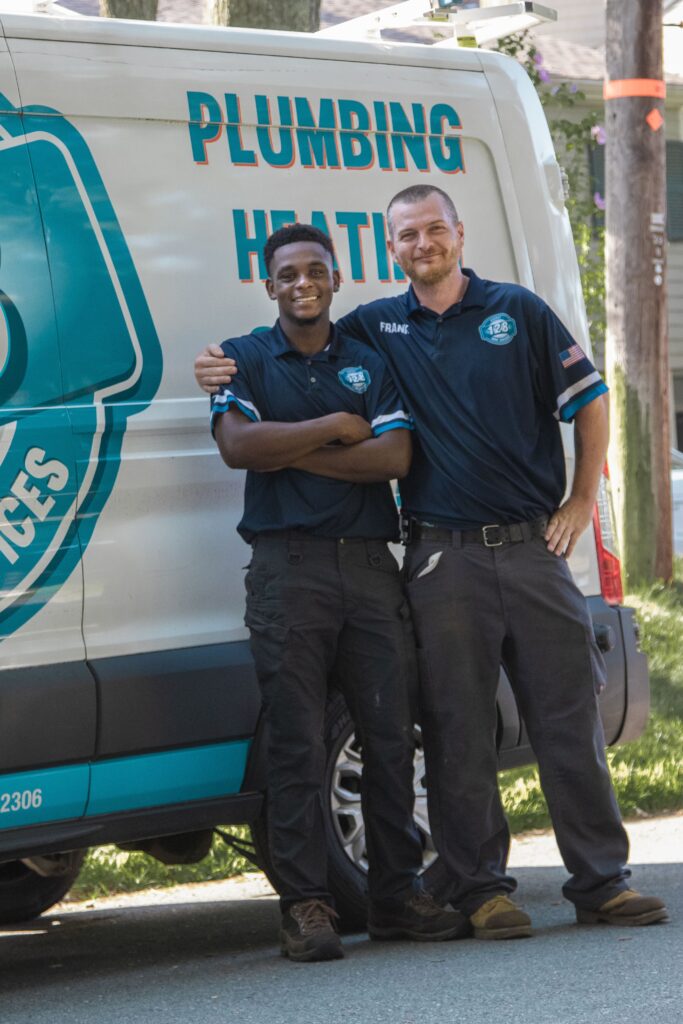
{"x": 573, "y": 49}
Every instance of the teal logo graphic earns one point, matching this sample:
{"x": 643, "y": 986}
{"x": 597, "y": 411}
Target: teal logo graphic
{"x": 79, "y": 354}
{"x": 498, "y": 329}
{"x": 356, "y": 378}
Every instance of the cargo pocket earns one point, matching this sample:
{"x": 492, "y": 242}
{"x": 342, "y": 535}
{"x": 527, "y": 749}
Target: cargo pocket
{"x": 268, "y": 631}
{"x": 383, "y": 559}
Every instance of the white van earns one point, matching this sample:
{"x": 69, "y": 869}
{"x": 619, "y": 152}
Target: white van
{"x": 142, "y": 168}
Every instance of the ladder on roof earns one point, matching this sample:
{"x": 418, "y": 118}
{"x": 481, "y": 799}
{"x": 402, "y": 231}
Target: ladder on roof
{"x": 467, "y": 22}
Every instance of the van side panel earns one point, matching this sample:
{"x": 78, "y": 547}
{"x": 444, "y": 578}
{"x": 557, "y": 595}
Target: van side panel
{"x": 47, "y": 711}
{"x": 176, "y": 698}
{"x": 206, "y": 180}
{"x": 47, "y": 715}
{"x": 153, "y": 780}
{"x": 39, "y": 550}
{"x": 55, "y": 794}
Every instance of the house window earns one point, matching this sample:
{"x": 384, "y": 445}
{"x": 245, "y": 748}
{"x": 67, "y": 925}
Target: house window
{"x": 674, "y": 186}
{"x": 678, "y": 411}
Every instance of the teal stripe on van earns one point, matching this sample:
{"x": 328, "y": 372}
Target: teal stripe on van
{"x": 28, "y": 798}
{"x": 175, "y": 776}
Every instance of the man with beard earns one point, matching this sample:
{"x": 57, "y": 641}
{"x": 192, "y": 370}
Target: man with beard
{"x": 488, "y": 372}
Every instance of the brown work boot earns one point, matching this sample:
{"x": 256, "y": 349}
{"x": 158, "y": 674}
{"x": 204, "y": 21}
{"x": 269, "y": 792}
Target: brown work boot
{"x": 500, "y": 918}
{"x": 420, "y": 918}
{"x": 626, "y": 908}
{"x": 308, "y": 932}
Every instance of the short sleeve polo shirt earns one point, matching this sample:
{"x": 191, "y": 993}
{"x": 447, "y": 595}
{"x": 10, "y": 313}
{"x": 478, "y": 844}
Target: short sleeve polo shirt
{"x": 487, "y": 384}
{"x": 276, "y": 382}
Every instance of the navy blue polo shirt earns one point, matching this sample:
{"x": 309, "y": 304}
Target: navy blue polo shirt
{"x": 487, "y": 384}
{"x": 278, "y": 383}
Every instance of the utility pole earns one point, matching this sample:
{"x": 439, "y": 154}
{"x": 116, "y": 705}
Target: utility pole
{"x": 635, "y": 253}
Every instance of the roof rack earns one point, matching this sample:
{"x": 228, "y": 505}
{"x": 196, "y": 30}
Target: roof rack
{"x": 466, "y": 22}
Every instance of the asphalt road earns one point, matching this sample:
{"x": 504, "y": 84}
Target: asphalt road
{"x": 207, "y": 953}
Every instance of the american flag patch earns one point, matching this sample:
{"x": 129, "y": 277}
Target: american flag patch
{"x": 572, "y": 355}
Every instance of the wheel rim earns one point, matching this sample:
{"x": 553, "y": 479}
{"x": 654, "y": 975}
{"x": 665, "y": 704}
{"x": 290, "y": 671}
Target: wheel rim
{"x": 347, "y": 816}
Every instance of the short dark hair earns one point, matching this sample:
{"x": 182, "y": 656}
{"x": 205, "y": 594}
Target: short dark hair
{"x": 416, "y": 193}
{"x": 295, "y": 233}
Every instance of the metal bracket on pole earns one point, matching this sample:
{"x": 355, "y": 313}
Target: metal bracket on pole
{"x": 468, "y": 21}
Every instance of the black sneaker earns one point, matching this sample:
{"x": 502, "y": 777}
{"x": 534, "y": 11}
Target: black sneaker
{"x": 421, "y": 919}
{"x": 308, "y": 932}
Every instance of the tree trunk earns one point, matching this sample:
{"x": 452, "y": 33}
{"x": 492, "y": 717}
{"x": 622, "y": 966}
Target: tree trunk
{"x": 635, "y": 253}
{"x": 138, "y": 10}
{"x": 293, "y": 15}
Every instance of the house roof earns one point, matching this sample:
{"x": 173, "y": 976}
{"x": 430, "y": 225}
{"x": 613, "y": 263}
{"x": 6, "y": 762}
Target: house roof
{"x": 564, "y": 60}
{"x": 571, "y": 61}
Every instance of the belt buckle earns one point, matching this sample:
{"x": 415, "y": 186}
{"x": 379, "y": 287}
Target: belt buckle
{"x": 487, "y": 542}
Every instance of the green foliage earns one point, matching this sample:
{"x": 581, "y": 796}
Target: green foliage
{"x": 647, "y": 774}
{"x": 575, "y": 134}
{"x": 109, "y": 870}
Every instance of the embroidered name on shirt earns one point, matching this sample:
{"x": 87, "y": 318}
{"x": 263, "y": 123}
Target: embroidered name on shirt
{"x": 393, "y": 328}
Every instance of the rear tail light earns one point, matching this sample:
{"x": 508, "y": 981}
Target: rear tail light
{"x": 609, "y": 565}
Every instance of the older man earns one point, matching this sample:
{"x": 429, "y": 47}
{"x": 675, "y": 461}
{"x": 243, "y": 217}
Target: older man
{"x": 488, "y": 372}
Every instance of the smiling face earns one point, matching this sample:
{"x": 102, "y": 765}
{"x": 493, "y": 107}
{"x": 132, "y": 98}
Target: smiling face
{"x": 425, "y": 240}
{"x": 302, "y": 281}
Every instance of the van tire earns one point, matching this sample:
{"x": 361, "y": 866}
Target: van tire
{"x": 24, "y": 894}
{"x": 347, "y": 883}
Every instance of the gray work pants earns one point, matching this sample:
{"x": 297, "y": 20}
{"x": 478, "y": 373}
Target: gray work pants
{"x": 516, "y": 604}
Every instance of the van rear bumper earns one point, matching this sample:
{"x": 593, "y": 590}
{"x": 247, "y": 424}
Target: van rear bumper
{"x": 637, "y": 681}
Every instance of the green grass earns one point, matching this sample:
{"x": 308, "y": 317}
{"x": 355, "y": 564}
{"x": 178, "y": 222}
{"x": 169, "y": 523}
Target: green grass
{"x": 648, "y": 774}
{"x": 108, "y": 870}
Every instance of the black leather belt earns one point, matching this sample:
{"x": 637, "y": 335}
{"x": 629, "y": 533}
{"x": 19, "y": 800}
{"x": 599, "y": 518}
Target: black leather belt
{"x": 491, "y": 536}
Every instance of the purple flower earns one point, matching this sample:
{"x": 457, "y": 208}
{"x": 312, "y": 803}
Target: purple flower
{"x": 599, "y": 201}
{"x": 598, "y": 134}
{"x": 573, "y": 87}
{"x": 543, "y": 75}
{"x": 554, "y": 91}
{"x": 538, "y": 58}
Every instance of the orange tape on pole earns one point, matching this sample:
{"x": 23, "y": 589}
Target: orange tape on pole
{"x": 623, "y": 87}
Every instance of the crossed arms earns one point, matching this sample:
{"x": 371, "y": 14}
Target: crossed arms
{"x": 310, "y": 445}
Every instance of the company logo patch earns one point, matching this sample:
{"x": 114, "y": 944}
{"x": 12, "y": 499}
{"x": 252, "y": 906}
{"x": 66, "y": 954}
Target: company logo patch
{"x": 356, "y": 378}
{"x": 498, "y": 329}
{"x": 65, "y": 263}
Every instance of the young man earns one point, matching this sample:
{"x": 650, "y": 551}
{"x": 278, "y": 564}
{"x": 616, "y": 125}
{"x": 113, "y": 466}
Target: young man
{"x": 487, "y": 372}
{"x": 316, "y": 421}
